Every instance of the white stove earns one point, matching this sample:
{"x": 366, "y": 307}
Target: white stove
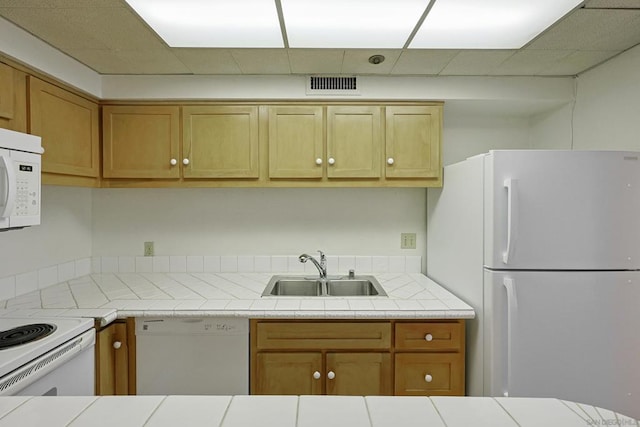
{"x": 61, "y": 362}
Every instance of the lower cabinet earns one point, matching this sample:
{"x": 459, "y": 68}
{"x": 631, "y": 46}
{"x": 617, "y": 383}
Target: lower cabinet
{"x": 357, "y": 357}
{"x": 115, "y": 359}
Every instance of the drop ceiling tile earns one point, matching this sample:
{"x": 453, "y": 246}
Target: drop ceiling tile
{"x": 577, "y": 62}
{"x": 529, "y": 62}
{"x": 476, "y": 62}
{"x": 262, "y": 61}
{"x": 423, "y": 61}
{"x": 612, "y": 4}
{"x": 356, "y": 61}
{"x": 593, "y": 29}
{"x": 151, "y": 61}
{"x": 59, "y": 3}
{"x": 316, "y": 61}
{"x": 207, "y": 61}
{"x": 88, "y": 28}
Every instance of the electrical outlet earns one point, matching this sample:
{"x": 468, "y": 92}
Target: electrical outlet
{"x": 407, "y": 240}
{"x": 148, "y": 248}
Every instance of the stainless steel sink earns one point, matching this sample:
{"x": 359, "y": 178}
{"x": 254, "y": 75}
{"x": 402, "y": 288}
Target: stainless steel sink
{"x": 289, "y": 286}
{"x": 354, "y": 287}
{"x": 299, "y": 286}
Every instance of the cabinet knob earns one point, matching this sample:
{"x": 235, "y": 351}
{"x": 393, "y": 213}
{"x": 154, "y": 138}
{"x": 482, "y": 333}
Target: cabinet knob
{"x": 332, "y": 161}
{"x": 390, "y": 161}
{"x": 173, "y": 162}
{"x": 428, "y": 337}
{"x": 185, "y": 162}
{"x": 331, "y": 375}
{"x": 117, "y": 344}
{"x": 428, "y": 378}
{"x": 316, "y": 375}
{"x": 318, "y": 161}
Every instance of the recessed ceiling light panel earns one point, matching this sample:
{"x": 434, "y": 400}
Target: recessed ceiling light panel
{"x": 219, "y": 23}
{"x": 488, "y": 24}
{"x": 347, "y": 24}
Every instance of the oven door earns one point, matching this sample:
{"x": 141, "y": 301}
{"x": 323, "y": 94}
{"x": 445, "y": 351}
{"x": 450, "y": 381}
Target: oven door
{"x": 68, "y": 370}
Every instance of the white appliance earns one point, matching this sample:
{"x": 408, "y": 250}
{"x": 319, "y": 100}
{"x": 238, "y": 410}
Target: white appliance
{"x": 202, "y": 356}
{"x": 545, "y": 245}
{"x": 20, "y": 164}
{"x": 57, "y": 359}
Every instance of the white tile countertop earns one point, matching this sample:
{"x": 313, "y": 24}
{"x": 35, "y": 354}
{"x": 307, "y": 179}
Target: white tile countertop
{"x": 410, "y": 296}
{"x": 302, "y": 411}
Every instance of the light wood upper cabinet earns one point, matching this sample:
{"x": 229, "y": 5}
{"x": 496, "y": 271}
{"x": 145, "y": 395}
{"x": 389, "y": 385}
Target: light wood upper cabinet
{"x": 13, "y": 99}
{"x": 295, "y": 142}
{"x": 69, "y": 127}
{"x": 413, "y": 142}
{"x": 220, "y": 142}
{"x": 141, "y": 142}
{"x": 354, "y": 141}
{"x": 6, "y": 92}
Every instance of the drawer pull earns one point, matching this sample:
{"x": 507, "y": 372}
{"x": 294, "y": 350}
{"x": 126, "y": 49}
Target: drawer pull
{"x": 117, "y": 345}
{"x": 428, "y": 378}
{"x": 316, "y": 375}
{"x": 428, "y": 337}
{"x": 331, "y": 375}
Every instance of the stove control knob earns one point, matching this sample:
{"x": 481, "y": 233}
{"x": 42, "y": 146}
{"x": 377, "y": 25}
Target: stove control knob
{"x": 117, "y": 345}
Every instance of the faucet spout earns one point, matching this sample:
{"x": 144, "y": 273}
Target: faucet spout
{"x": 321, "y": 266}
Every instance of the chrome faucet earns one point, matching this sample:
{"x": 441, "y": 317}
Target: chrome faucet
{"x": 321, "y": 266}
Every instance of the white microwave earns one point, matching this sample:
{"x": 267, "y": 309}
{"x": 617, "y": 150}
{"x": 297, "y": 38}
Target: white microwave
{"x": 20, "y": 166}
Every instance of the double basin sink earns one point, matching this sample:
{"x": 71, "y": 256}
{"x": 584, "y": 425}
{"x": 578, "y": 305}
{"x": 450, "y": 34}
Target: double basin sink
{"x": 297, "y": 286}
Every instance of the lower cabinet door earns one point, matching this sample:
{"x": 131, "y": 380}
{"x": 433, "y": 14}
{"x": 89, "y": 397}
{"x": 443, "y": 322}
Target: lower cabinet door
{"x": 358, "y": 374}
{"x": 289, "y": 373}
{"x": 429, "y": 374}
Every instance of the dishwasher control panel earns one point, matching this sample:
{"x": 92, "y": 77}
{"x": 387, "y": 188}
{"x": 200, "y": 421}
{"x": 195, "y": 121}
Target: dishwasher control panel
{"x": 196, "y": 326}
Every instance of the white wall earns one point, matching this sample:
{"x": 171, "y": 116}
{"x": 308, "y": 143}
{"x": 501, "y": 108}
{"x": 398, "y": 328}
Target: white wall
{"x": 608, "y": 103}
{"x": 64, "y": 235}
{"x": 467, "y": 133}
{"x": 259, "y": 221}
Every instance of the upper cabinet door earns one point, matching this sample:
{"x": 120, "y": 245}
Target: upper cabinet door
{"x": 353, "y": 142}
{"x": 413, "y": 142}
{"x": 141, "y": 142}
{"x": 6, "y": 92}
{"x": 295, "y": 142}
{"x": 220, "y": 142}
{"x": 69, "y": 127}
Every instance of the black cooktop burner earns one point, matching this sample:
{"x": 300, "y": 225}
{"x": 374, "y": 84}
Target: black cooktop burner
{"x": 25, "y": 334}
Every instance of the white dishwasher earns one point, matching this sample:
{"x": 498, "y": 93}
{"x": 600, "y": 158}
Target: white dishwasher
{"x": 202, "y": 356}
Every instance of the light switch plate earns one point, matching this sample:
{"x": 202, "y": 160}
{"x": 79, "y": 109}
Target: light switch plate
{"x": 407, "y": 240}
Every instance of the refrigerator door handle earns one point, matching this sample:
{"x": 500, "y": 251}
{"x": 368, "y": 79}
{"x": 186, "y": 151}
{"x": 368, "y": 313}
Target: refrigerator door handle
{"x": 512, "y": 308}
{"x": 512, "y": 217}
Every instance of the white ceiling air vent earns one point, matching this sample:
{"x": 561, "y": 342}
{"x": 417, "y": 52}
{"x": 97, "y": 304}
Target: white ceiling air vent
{"x": 332, "y": 85}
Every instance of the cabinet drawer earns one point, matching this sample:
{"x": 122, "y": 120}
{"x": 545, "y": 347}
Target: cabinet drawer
{"x": 429, "y": 374}
{"x": 434, "y": 336}
{"x": 319, "y": 335}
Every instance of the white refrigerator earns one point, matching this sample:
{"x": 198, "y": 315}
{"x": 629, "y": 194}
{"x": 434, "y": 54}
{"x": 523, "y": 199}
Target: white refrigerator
{"x": 545, "y": 245}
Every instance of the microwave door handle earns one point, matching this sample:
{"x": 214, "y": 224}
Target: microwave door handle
{"x": 512, "y": 217}
{"x": 7, "y": 205}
